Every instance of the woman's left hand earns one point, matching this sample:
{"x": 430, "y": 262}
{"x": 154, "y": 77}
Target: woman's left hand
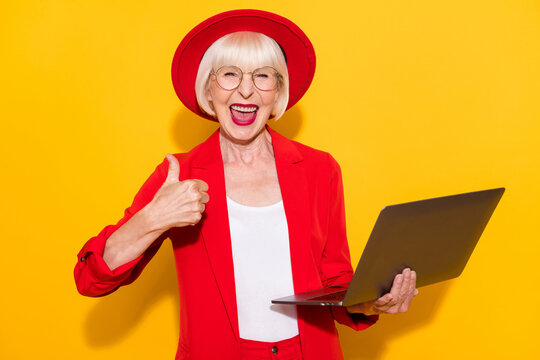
{"x": 396, "y": 301}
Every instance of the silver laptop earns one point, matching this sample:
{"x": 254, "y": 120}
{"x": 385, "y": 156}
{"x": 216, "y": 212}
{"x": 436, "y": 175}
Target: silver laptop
{"x": 434, "y": 237}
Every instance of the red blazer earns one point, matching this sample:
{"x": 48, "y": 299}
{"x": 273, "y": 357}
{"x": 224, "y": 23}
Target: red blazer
{"x": 312, "y": 192}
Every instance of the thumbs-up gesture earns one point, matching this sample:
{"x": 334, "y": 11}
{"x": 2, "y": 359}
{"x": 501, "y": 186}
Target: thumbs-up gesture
{"x": 178, "y": 203}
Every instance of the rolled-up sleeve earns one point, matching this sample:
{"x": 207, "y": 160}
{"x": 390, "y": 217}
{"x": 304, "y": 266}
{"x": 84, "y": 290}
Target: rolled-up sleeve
{"x": 92, "y": 275}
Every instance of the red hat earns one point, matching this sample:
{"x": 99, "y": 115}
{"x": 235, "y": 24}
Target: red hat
{"x": 298, "y": 50}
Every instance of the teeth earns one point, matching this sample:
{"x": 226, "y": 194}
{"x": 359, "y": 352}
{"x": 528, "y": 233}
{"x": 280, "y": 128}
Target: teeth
{"x": 244, "y": 108}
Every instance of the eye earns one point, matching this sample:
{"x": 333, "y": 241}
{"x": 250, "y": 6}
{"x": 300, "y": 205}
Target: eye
{"x": 230, "y": 74}
{"x": 261, "y": 76}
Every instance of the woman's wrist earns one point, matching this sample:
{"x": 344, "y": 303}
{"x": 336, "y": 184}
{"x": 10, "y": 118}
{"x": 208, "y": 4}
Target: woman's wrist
{"x": 148, "y": 222}
{"x": 131, "y": 240}
{"x": 365, "y": 308}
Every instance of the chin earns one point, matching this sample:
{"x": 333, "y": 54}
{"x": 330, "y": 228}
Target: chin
{"x": 242, "y": 134}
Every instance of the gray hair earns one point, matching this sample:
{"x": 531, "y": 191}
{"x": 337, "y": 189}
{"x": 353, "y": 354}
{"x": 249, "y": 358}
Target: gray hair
{"x": 249, "y": 49}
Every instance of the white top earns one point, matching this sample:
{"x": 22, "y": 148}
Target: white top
{"x": 262, "y": 271}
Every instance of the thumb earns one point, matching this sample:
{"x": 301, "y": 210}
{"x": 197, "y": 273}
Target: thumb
{"x": 174, "y": 169}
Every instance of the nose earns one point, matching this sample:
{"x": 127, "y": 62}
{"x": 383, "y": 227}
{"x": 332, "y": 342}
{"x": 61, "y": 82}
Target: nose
{"x": 246, "y": 86}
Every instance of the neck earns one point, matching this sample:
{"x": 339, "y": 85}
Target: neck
{"x": 259, "y": 147}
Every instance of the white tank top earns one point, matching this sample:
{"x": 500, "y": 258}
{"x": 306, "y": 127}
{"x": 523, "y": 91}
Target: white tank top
{"x": 262, "y": 271}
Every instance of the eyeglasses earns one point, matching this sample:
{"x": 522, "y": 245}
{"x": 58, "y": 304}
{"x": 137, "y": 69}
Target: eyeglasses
{"x": 230, "y": 77}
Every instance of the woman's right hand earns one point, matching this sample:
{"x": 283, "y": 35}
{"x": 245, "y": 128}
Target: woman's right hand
{"x": 177, "y": 203}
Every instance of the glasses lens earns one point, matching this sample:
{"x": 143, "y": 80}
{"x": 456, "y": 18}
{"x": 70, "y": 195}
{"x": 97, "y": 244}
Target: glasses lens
{"x": 265, "y": 78}
{"x": 229, "y": 77}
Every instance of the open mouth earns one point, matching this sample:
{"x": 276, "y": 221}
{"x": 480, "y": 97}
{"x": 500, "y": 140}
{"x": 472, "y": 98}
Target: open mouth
{"x": 243, "y": 114}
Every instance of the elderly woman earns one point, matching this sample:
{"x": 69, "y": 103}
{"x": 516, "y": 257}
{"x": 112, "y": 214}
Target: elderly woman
{"x": 252, "y": 216}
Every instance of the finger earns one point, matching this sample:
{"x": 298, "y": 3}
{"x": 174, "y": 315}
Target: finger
{"x": 195, "y": 185}
{"x": 195, "y": 218}
{"x": 412, "y": 286}
{"x": 201, "y": 185}
{"x": 406, "y": 285}
{"x": 204, "y": 198}
{"x": 383, "y": 300}
{"x": 396, "y": 288}
{"x": 173, "y": 174}
{"x": 410, "y": 292}
{"x": 404, "y": 306}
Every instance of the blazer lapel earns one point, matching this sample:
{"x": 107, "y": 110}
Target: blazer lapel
{"x": 295, "y": 193}
{"x": 207, "y": 165}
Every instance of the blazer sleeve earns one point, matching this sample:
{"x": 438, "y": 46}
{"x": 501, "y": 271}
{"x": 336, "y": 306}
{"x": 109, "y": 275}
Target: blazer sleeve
{"x": 336, "y": 261}
{"x": 92, "y": 275}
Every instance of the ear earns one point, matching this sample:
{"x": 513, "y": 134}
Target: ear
{"x": 209, "y": 98}
{"x": 276, "y": 98}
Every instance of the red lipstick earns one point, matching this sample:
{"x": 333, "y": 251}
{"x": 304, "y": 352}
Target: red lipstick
{"x": 243, "y": 114}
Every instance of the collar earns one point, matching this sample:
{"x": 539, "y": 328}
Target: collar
{"x": 208, "y": 153}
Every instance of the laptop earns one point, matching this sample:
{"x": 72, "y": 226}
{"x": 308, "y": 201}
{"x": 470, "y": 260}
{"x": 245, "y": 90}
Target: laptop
{"x": 434, "y": 237}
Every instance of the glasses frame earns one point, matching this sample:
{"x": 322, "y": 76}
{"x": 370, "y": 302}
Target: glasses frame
{"x": 278, "y": 76}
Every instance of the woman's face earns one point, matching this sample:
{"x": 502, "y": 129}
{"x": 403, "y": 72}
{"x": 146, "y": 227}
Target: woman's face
{"x": 244, "y": 111}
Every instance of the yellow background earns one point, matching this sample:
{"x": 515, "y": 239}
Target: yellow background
{"x": 415, "y": 99}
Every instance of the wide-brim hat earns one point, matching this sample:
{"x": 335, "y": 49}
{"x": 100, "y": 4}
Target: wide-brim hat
{"x": 298, "y": 50}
